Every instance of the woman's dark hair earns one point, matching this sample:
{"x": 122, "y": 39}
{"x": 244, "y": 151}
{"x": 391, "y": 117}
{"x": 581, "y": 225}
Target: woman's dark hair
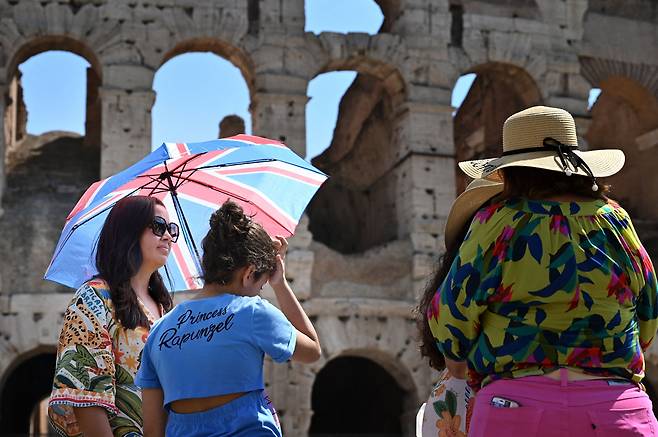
{"x": 119, "y": 257}
{"x": 537, "y": 183}
{"x": 235, "y": 241}
{"x": 427, "y": 342}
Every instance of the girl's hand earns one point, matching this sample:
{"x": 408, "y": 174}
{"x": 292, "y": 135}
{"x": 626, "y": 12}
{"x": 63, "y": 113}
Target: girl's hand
{"x": 279, "y": 275}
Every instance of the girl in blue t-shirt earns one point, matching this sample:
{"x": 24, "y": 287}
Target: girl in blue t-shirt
{"x": 202, "y": 367}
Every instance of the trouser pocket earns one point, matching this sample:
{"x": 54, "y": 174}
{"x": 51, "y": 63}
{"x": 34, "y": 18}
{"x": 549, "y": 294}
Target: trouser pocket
{"x": 623, "y": 422}
{"x": 489, "y": 420}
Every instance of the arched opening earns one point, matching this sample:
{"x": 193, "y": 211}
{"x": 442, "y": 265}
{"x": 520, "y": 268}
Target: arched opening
{"x": 625, "y": 117}
{"x": 52, "y": 94}
{"x": 23, "y": 393}
{"x": 196, "y": 92}
{"x": 325, "y": 92}
{"x": 58, "y": 99}
{"x": 355, "y": 396}
{"x": 460, "y": 91}
{"x": 343, "y": 16}
{"x": 46, "y": 172}
{"x": 498, "y": 91}
{"x": 346, "y": 214}
{"x": 594, "y": 94}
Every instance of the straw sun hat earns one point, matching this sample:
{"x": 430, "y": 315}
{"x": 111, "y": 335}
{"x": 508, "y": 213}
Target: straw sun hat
{"x": 545, "y": 137}
{"x": 476, "y": 194}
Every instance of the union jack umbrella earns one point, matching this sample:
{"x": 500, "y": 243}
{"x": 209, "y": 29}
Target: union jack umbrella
{"x": 267, "y": 179}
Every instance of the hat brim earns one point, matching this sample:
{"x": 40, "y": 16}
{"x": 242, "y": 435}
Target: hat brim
{"x": 602, "y": 163}
{"x": 465, "y": 205}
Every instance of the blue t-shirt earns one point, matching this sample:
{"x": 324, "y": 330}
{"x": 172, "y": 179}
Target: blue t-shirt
{"x": 214, "y": 346}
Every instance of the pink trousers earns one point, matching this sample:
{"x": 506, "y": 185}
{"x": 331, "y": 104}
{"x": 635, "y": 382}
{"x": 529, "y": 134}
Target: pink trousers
{"x": 544, "y": 407}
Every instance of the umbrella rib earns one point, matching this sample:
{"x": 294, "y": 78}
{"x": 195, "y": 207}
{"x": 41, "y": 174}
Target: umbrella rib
{"x": 77, "y": 225}
{"x": 187, "y": 232}
{"x": 257, "y": 161}
{"x": 109, "y": 206}
{"x": 158, "y": 182}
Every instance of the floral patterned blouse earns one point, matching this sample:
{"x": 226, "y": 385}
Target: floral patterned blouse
{"x": 449, "y": 408}
{"x": 539, "y": 285}
{"x": 97, "y": 360}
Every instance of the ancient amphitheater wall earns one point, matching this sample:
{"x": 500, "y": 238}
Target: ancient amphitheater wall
{"x": 380, "y": 332}
{"x": 392, "y": 155}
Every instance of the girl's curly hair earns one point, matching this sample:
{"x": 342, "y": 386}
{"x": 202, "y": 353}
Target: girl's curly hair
{"x": 235, "y": 241}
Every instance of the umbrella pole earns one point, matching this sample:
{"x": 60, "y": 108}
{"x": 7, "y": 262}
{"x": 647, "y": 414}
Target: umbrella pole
{"x": 187, "y": 232}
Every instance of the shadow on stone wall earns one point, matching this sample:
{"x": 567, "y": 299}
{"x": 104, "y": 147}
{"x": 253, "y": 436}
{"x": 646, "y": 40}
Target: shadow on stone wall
{"x": 355, "y": 208}
{"x": 46, "y": 175}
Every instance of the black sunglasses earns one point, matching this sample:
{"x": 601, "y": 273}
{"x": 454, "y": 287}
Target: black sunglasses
{"x": 159, "y": 225}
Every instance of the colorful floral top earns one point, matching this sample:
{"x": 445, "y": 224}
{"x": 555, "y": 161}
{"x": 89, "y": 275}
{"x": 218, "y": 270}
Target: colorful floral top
{"x": 538, "y": 285}
{"x": 448, "y": 410}
{"x": 97, "y": 360}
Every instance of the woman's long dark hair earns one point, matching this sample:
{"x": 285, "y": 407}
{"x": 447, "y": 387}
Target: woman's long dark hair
{"x": 537, "y": 183}
{"x": 427, "y": 342}
{"x": 235, "y": 241}
{"x": 119, "y": 257}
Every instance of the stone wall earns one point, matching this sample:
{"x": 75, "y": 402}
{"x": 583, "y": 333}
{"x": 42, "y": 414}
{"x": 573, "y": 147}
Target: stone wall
{"x": 374, "y": 231}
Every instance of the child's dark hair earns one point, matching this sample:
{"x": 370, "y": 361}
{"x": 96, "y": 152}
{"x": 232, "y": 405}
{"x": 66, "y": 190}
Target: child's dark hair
{"x": 235, "y": 241}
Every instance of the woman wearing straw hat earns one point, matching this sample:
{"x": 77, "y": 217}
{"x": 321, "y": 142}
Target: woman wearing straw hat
{"x": 551, "y": 300}
{"x": 448, "y": 405}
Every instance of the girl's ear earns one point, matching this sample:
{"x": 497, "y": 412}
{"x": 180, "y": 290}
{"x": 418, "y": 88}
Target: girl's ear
{"x": 248, "y": 276}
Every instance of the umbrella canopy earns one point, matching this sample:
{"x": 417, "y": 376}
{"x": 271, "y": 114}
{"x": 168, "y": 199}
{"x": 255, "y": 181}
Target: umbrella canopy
{"x": 269, "y": 181}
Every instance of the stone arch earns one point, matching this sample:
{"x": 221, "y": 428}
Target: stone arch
{"x": 25, "y": 382}
{"x": 597, "y": 70}
{"x": 365, "y": 330}
{"x": 625, "y": 116}
{"x": 499, "y": 90}
{"x": 376, "y": 56}
{"x": 363, "y": 150}
{"x": 347, "y": 387}
{"x": 41, "y": 44}
{"x": 380, "y": 330}
{"x": 15, "y": 115}
{"x": 231, "y": 53}
{"x": 388, "y": 340}
{"x": 216, "y": 55}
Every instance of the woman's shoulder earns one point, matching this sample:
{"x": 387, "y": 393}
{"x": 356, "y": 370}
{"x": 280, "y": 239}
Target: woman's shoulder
{"x": 94, "y": 293}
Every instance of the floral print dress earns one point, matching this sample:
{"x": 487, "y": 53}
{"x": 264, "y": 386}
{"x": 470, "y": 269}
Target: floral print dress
{"x": 448, "y": 409}
{"x": 97, "y": 360}
{"x": 540, "y": 285}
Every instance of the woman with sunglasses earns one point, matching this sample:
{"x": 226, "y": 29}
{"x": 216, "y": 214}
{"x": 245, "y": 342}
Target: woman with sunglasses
{"x": 202, "y": 366}
{"x": 108, "y": 320}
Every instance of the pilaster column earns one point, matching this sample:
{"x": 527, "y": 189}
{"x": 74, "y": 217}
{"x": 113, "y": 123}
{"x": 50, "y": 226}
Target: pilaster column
{"x": 126, "y": 100}
{"x": 426, "y": 180}
{"x": 279, "y": 110}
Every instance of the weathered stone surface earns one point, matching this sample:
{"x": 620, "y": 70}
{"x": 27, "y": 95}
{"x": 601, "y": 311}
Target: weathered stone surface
{"x": 372, "y": 235}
